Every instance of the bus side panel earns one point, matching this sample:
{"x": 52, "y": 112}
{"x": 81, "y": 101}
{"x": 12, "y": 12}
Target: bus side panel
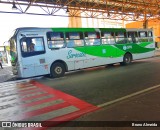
{"x": 41, "y": 67}
{"x": 143, "y": 55}
{"x": 57, "y": 55}
{"x": 74, "y": 59}
{"x": 28, "y": 69}
{"x": 38, "y": 66}
{"x": 100, "y": 55}
{"x": 137, "y": 51}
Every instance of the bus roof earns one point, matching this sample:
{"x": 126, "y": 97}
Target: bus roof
{"x": 61, "y": 29}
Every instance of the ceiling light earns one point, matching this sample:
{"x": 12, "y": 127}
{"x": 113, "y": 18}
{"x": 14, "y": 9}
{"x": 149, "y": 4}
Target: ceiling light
{"x": 67, "y": 11}
{"x": 14, "y": 7}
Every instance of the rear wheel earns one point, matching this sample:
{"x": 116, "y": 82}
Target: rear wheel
{"x": 127, "y": 59}
{"x": 57, "y": 70}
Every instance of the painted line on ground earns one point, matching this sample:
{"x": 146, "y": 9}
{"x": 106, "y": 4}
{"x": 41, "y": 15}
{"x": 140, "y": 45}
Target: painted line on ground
{"x": 34, "y": 101}
{"x": 69, "y": 98}
{"x": 128, "y": 96}
{"x": 82, "y": 106}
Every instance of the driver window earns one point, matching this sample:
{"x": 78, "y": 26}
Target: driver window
{"x": 32, "y": 46}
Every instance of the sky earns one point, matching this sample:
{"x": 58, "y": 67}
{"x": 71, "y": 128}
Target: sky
{"x": 9, "y": 22}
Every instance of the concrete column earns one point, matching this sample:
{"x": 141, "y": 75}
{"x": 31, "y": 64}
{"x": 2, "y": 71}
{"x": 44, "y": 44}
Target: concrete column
{"x": 75, "y": 21}
{"x": 93, "y": 22}
{"x": 145, "y": 22}
{"x": 97, "y": 23}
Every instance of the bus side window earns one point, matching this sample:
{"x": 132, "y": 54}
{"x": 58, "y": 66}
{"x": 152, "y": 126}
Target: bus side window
{"x": 107, "y": 38}
{"x": 150, "y": 36}
{"x": 143, "y": 36}
{"x": 55, "y": 40}
{"x": 74, "y": 39}
{"x": 92, "y": 38}
{"x": 121, "y": 38}
{"x": 132, "y": 37}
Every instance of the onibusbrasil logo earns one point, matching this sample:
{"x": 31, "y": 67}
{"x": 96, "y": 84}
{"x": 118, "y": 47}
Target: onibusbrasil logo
{"x": 20, "y": 124}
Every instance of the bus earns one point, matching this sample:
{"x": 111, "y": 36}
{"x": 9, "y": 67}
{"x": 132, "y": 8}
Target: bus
{"x": 54, "y": 51}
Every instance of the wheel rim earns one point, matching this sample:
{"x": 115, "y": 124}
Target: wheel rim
{"x": 58, "y": 70}
{"x": 127, "y": 59}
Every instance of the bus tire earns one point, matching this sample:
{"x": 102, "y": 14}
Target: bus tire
{"x": 57, "y": 70}
{"x": 127, "y": 59}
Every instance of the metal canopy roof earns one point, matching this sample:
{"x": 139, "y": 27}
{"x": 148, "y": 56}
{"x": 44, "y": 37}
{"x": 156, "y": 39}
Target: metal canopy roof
{"x": 110, "y": 9}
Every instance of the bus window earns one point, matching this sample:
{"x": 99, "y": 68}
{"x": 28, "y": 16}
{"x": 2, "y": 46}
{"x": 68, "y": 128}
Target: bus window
{"x": 32, "y": 46}
{"x": 121, "y": 38}
{"x": 132, "y": 37}
{"x": 92, "y": 38}
{"x": 150, "y": 36}
{"x": 143, "y": 36}
{"x": 55, "y": 40}
{"x": 107, "y": 38}
{"x": 74, "y": 39}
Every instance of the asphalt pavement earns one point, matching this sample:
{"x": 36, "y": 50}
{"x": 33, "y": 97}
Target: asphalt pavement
{"x": 137, "y": 111}
{"x": 6, "y": 73}
{"x": 141, "y": 109}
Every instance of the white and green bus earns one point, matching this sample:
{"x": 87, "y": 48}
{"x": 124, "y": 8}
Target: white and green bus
{"x": 54, "y": 51}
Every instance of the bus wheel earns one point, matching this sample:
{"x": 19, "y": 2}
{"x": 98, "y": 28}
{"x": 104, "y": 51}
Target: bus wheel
{"x": 127, "y": 59}
{"x": 57, "y": 70}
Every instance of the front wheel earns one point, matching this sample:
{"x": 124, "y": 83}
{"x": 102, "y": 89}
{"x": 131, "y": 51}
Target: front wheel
{"x": 57, "y": 70}
{"x": 127, "y": 59}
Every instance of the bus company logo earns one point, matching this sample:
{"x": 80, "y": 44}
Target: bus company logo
{"x": 75, "y": 55}
{"x": 127, "y": 47}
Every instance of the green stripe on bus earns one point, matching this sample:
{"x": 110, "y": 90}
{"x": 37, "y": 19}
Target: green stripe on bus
{"x": 88, "y": 29}
{"x": 112, "y": 29}
{"x": 113, "y": 50}
{"x": 73, "y": 29}
{"x": 144, "y": 44}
